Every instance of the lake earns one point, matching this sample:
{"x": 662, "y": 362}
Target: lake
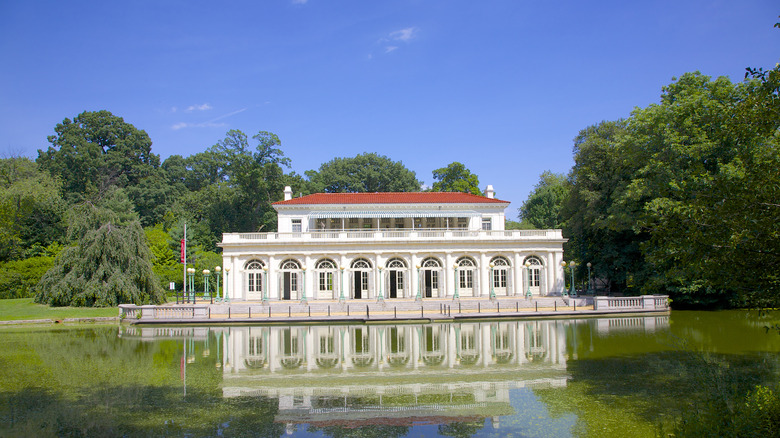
{"x": 626, "y": 376}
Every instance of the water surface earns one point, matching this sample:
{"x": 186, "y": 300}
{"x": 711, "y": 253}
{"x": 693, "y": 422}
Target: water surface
{"x": 538, "y": 378}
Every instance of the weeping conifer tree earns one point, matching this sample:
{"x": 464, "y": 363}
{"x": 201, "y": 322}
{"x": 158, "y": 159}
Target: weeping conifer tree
{"x": 108, "y": 264}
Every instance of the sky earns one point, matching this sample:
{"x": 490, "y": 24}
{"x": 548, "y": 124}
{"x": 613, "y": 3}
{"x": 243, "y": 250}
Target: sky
{"x": 500, "y": 86}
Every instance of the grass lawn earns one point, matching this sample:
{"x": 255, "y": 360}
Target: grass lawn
{"x": 25, "y": 308}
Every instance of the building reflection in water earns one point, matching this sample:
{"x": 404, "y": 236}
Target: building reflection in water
{"x": 437, "y": 373}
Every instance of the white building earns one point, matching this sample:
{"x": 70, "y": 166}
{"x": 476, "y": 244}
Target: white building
{"x": 369, "y": 246}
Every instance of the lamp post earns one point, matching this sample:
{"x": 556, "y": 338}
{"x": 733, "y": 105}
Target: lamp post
{"x": 303, "y": 297}
{"x": 419, "y": 280}
{"x": 381, "y": 280}
{"x": 573, "y": 292}
{"x": 457, "y": 282}
{"x": 563, "y": 265}
{"x": 191, "y": 275}
{"x": 341, "y": 284}
{"x": 265, "y": 289}
{"x": 206, "y": 274}
{"x": 528, "y": 276}
{"x": 589, "y": 289}
{"x": 492, "y": 282}
{"x": 227, "y": 285}
{"x": 218, "y": 273}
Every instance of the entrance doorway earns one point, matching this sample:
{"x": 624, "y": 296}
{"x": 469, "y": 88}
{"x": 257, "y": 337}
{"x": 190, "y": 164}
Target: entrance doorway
{"x": 395, "y": 270}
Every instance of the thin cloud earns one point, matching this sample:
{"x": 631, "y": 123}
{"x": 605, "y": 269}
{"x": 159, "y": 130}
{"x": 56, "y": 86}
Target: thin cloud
{"x": 404, "y": 35}
{"x": 229, "y": 114}
{"x": 208, "y": 124}
{"x": 299, "y": 2}
{"x": 390, "y": 42}
{"x": 204, "y": 107}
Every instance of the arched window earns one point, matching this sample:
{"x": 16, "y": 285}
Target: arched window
{"x": 254, "y": 265}
{"x": 290, "y": 265}
{"x": 500, "y": 261}
{"x": 430, "y": 262}
{"x": 288, "y": 281}
{"x": 360, "y": 279}
{"x": 535, "y": 266}
{"x": 534, "y": 260}
{"x": 254, "y": 279}
{"x": 326, "y": 264}
{"x": 361, "y": 264}
{"x": 396, "y": 263}
{"x": 326, "y": 269}
{"x": 466, "y": 262}
{"x": 500, "y": 269}
{"x": 466, "y": 266}
{"x": 395, "y": 277}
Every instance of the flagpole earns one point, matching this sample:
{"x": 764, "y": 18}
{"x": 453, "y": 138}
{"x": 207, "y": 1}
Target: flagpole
{"x": 184, "y": 260}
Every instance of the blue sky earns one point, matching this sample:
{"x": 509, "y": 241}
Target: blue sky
{"x": 501, "y": 86}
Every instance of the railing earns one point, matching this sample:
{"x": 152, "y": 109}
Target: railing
{"x": 397, "y": 234}
{"x": 644, "y": 302}
{"x": 149, "y": 312}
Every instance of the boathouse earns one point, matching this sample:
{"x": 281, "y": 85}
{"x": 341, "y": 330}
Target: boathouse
{"x": 386, "y": 246}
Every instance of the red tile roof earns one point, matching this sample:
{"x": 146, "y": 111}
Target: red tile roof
{"x": 391, "y": 198}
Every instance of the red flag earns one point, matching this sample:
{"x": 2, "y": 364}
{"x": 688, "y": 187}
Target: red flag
{"x": 182, "y": 250}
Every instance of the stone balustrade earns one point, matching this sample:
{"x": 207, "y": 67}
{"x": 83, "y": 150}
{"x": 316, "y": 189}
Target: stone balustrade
{"x": 391, "y": 234}
{"x": 643, "y": 302}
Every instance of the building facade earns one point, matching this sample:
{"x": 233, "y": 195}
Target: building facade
{"x": 385, "y": 246}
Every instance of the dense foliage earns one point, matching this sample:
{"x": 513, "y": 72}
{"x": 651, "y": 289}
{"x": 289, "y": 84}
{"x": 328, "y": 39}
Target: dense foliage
{"x": 367, "y": 172}
{"x": 102, "y": 217}
{"x": 682, "y": 197}
{"x": 456, "y": 178}
{"x": 543, "y": 208}
{"x": 109, "y": 263}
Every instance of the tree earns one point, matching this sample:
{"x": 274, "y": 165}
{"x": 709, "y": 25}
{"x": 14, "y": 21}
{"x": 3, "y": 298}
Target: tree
{"x": 599, "y": 227}
{"x": 109, "y": 264}
{"x": 712, "y": 185}
{"x": 543, "y": 207}
{"x": 368, "y": 172}
{"x": 31, "y": 208}
{"x": 681, "y": 198}
{"x": 94, "y": 151}
{"x": 456, "y": 178}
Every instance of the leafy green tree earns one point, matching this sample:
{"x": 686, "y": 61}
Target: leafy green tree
{"x": 681, "y": 198}
{"x": 19, "y": 277}
{"x": 155, "y": 195}
{"x": 600, "y": 230}
{"x": 165, "y": 261}
{"x": 234, "y": 185}
{"x": 109, "y": 264}
{"x": 710, "y": 187}
{"x": 368, "y": 172}
{"x": 31, "y": 208}
{"x": 456, "y": 178}
{"x": 94, "y": 151}
{"x": 542, "y": 209}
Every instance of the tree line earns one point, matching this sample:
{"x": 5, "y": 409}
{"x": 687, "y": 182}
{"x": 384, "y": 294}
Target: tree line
{"x": 680, "y": 198}
{"x": 97, "y": 218}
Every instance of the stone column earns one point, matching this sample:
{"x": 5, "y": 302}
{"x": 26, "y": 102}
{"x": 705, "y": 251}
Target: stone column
{"x": 484, "y": 275}
{"x": 414, "y": 285}
{"x": 272, "y": 282}
{"x": 518, "y": 284}
{"x": 305, "y": 278}
{"x": 552, "y": 269}
{"x": 449, "y": 275}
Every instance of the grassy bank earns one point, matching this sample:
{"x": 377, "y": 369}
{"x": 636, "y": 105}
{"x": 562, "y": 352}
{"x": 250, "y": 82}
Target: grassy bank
{"x": 25, "y": 308}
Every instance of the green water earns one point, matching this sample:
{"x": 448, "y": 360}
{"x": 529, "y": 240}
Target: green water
{"x": 588, "y": 377}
